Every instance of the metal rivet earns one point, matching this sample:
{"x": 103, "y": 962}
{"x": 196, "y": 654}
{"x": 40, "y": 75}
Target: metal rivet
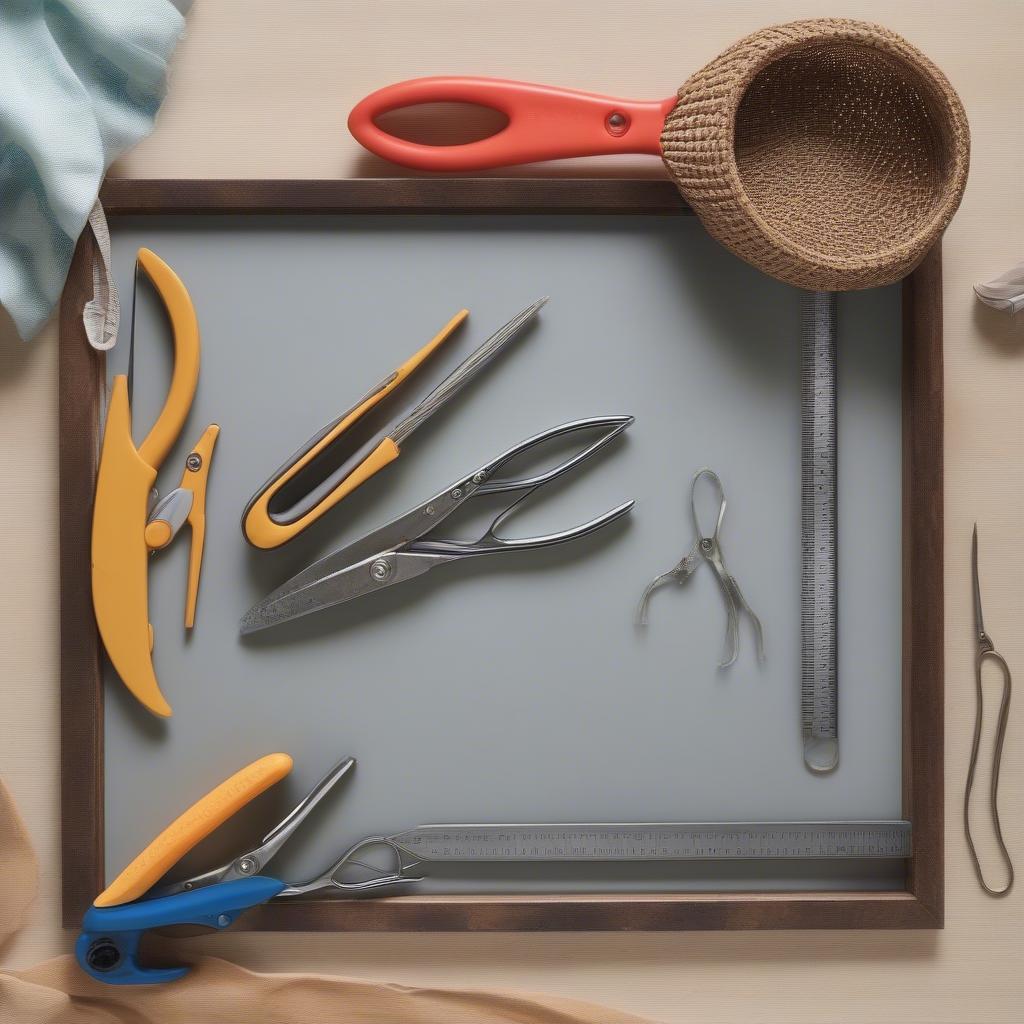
{"x": 457, "y": 493}
{"x": 194, "y": 462}
{"x": 223, "y": 921}
{"x": 617, "y": 123}
{"x": 479, "y": 478}
{"x": 429, "y": 510}
{"x": 381, "y": 569}
{"x": 247, "y": 865}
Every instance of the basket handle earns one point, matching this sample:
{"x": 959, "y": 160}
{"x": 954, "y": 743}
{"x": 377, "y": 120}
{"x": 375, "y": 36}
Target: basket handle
{"x": 544, "y": 123}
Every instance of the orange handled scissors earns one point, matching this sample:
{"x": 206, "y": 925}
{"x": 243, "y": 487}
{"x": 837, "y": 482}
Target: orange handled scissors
{"x": 128, "y": 523}
{"x": 320, "y": 474}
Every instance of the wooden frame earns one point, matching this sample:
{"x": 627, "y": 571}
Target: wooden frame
{"x": 920, "y": 905}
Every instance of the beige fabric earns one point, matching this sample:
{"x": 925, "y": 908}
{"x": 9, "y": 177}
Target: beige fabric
{"x": 829, "y": 153}
{"x": 216, "y": 992}
{"x": 19, "y": 873}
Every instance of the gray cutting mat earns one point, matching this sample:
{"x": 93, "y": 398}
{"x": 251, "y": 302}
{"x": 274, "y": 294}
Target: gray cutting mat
{"x": 516, "y": 689}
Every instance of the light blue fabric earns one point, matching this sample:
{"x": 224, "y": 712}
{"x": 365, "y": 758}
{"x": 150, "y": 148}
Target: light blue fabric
{"x": 80, "y": 82}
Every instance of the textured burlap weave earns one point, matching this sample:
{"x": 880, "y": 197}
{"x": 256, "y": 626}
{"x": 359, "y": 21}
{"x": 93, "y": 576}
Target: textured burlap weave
{"x": 829, "y": 153}
{"x": 216, "y": 992}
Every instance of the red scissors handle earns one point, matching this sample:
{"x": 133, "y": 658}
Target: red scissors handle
{"x": 544, "y": 123}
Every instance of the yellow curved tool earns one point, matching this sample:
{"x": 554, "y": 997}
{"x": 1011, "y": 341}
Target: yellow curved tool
{"x": 203, "y": 452}
{"x": 203, "y": 817}
{"x": 261, "y": 529}
{"x": 120, "y": 552}
{"x": 185, "y": 328}
{"x": 161, "y": 531}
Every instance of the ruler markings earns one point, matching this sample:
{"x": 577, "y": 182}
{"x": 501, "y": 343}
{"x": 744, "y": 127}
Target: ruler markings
{"x": 818, "y": 521}
{"x": 649, "y": 841}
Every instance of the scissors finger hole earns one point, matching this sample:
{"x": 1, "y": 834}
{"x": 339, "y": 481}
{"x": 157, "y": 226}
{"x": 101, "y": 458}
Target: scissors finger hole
{"x": 707, "y": 502}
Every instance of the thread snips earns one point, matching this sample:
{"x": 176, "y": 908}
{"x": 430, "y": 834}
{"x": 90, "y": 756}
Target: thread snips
{"x": 327, "y": 468}
{"x": 138, "y": 901}
{"x": 707, "y": 547}
{"x": 129, "y": 523}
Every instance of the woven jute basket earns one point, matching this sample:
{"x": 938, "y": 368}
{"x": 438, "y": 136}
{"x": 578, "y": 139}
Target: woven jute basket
{"x": 829, "y": 153}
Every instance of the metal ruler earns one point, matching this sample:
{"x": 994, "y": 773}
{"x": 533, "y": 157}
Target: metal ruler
{"x": 819, "y": 685}
{"x": 657, "y": 841}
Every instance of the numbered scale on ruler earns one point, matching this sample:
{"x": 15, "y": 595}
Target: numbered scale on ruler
{"x": 819, "y": 695}
{"x": 655, "y": 841}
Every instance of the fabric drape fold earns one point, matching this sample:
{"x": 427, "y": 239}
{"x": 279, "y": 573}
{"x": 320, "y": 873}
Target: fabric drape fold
{"x": 80, "y": 82}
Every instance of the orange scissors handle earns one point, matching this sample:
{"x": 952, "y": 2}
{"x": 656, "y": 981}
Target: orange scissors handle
{"x": 544, "y": 123}
{"x": 266, "y": 528}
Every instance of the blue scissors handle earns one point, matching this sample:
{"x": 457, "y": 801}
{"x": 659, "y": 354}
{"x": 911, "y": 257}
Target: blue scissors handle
{"x": 108, "y": 946}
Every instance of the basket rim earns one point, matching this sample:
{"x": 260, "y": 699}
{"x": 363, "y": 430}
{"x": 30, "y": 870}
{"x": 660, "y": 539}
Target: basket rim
{"x": 891, "y": 262}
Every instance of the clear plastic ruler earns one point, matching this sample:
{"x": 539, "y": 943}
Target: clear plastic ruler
{"x": 819, "y": 684}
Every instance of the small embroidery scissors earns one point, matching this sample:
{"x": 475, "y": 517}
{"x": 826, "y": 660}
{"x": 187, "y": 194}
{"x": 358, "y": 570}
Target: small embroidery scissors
{"x": 987, "y": 652}
{"x": 330, "y": 465}
{"x": 108, "y": 946}
{"x": 405, "y": 547}
{"x": 708, "y": 547}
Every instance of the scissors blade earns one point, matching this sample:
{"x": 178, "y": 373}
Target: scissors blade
{"x": 979, "y": 622}
{"x": 381, "y": 570}
{"x": 464, "y": 373}
{"x": 394, "y": 535}
{"x": 131, "y": 335}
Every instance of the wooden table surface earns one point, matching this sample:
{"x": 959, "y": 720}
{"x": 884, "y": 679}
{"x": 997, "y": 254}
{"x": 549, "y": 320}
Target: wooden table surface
{"x": 262, "y": 89}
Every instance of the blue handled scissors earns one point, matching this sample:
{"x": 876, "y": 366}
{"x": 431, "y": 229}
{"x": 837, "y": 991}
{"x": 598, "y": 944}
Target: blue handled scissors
{"x": 108, "y": 946}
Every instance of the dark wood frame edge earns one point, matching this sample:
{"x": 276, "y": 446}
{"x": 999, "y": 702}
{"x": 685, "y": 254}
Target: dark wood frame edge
{"x": 923, "y": 583}
{"x": 80, "y": 387}
{"x": 394, "y": 195}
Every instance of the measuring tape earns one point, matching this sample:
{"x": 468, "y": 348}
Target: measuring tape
{"x": 658, "y": 841}
{"x": 819, "y": 685}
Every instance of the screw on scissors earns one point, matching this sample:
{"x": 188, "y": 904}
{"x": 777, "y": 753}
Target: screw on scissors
{"x": 708, "y": 547}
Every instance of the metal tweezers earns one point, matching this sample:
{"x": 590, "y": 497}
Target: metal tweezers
{"x": 708, "y": 547}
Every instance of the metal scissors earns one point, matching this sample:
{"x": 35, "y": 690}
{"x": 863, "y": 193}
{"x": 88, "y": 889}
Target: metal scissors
{"x": 986, "y": 651}
{"x": 708, "y": 547}
{"x": 329, "y": 467}
{"x": 405, "y": 547}
{"x": 134, "y": 903}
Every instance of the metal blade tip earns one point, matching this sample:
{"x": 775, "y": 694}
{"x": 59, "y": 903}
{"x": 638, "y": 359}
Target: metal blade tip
{"x": 251, "y": 622}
